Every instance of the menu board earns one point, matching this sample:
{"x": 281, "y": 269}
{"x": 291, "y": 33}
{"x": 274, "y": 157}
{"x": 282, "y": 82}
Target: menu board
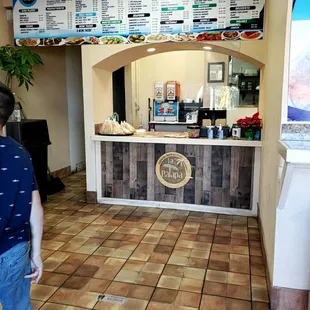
{"x": 60, "y": 22}
{"x": 299, "y": 76}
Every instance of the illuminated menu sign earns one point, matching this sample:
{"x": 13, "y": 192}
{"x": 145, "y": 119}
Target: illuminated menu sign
{"x": 299, "y": 76}
{"x": 59, "y": 22}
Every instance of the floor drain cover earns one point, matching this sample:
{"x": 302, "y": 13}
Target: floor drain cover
{"x": 111, "y": 299}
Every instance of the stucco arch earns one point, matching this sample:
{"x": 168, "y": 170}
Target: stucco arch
{"x": 111, "y": 58}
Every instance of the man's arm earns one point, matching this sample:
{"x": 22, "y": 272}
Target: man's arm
{"x": 36, "y": 223}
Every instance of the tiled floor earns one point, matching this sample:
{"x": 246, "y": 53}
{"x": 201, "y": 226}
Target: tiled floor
{"x": 156, "y": 259}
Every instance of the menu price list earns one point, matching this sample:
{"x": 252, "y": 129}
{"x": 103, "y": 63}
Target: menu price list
{"x": 83, "y": 18}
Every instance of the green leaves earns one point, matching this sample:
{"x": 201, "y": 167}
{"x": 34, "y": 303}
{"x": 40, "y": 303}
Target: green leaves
{"x": 19, "y": 63}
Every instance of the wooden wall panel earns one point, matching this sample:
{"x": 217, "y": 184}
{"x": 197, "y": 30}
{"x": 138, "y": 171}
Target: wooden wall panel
{"x": 221, "y": 175}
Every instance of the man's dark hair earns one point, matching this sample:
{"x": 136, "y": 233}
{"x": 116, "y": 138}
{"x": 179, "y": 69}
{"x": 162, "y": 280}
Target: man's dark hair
{"x": 7, "y": 102}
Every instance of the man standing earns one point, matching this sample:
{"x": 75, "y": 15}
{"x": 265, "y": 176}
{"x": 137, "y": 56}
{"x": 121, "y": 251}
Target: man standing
{"x": 21, "y": 217}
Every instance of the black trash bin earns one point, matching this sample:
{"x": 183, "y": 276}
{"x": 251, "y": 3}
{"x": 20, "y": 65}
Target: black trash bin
{"x": 33, "y": 135}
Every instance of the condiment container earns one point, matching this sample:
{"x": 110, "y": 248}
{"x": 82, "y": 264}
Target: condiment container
{"x": 193, "y": 131}
{"x": 226, "y": 131}
{"x": 204, "y": 132}
{"x": 159, "y": 90}
{"x": 236, "y": 132}
{"x": 210, "y": 132}
{"x": 173, "y": 90}
{"x": 220, "y": 133}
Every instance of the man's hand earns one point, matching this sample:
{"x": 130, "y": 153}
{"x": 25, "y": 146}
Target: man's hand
{"x": 37, "y": 269}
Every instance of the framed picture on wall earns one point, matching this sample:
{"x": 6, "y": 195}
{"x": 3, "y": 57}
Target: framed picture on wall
{"x": 216, "y": 72}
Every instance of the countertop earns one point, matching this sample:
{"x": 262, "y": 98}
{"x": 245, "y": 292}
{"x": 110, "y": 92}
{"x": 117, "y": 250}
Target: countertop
{"x": 171, "y": 123}
{"x": 177, "y": 138}
{"x": 297, "y": 152}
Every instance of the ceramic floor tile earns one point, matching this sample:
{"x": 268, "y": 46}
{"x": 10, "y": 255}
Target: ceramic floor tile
{"x": 51, "y": 306}
{"x": 162, "y": 249}
{"x": 53, "y": 279}
{"x": 186, "y": 299}
{"x": 141, "y": 292}
{"x": 176, "y": 271}
{"x": 239, "y": 292}
{"x": 200, "y": 254}
{"x": 164, "y": 295}
{"x": 107, "y": 272}
{"x": 97, "y": 261}
{"x": 258, "y": 282}
{"x": 159, "y": 258}
{"x": 260, "y": 294}
{"x": 216, "y": 276}
{"x": 76, "y": 282}
{"x": 258, "y": 270}
{"x": 149, "y": 279}
{"x": 156, "y": 259}
{"x": 120, "y": 253}
{"x": 169, "y": 282}
{"x": 197, "y": 263}
{"x": 87, "y": 270}
{"x": 218, "y": 265}
{"x": 96, "y": 285}
{"x": 191, "y": 285}
{"x": 134, "y": 265}
{"x": 260, "y": 306}
{"x": 35, "y": 304}
{"x": 234, "y": 304}
{"x": 215, "y": 288}
{"x": 103, "y": 251}
{"x": 75, "y": 298}
{"x": 209, "y": 302}
{"x": 194, "y": 273}
{"x": 42, "y": 292}
{"x": 181, "y": 252}
{"x": 127, "y": 276}
{"x": 153, "y": 268}
{"x": 178, "y": 260}
{"x": 119, "y": 289}
{"x": 238, "y": 279}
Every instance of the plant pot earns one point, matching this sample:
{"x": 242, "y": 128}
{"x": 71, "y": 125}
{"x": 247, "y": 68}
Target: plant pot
{"x": 249, "y": 134}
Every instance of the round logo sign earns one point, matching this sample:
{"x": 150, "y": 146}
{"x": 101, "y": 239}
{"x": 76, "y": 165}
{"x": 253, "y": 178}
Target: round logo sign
{"x": 173, "y": 170}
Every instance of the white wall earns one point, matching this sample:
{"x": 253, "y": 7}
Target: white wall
{"x": 292, "y": 250}
{"x": 209, "y": 58}
{"x": 47, "y": 99}
{"x": 75, "y": 106}
{"x": 186, "y": 67}
{"x": 271, "y": 102}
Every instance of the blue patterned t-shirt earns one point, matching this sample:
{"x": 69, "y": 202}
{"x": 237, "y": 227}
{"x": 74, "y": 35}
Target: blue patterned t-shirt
{"x": 17, "y": 181}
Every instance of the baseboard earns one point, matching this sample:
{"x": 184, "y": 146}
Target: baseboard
{"x": 91, "y": 197}
{"x": 289, "y": 299}
{"x": 62, "y": 173}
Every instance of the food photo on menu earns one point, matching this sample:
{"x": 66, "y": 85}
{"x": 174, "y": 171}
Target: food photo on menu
{"x": 299, "y": 75}
{"x": 53, "y": 23}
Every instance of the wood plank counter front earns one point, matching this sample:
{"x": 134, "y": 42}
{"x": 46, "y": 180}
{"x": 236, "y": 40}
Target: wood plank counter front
{"x": 223, "y": 178}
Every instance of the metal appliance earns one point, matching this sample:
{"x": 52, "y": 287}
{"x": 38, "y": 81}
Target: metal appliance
{"x": 213, "y": 115}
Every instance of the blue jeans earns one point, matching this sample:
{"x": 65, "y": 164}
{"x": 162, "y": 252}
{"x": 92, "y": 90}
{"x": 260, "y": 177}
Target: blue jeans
{"x": 14, "y": 288}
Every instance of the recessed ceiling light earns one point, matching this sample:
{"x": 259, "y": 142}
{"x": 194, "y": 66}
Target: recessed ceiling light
{"x": 151, "y": 50}
{"x": 208, "y": 48}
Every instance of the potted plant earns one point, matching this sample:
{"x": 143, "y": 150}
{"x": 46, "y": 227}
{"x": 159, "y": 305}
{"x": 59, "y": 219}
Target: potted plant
{"x": 251, "y": 126}
{"x": 19, "y": 63}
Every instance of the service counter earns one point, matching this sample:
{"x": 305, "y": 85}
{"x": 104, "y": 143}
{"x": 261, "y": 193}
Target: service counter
{"x": 153, "y": 170}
